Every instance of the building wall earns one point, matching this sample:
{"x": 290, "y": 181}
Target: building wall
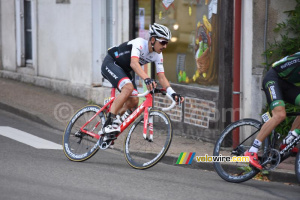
{"x": 8, "y": 35}
{"x": 70, "y": 44}
{"x": 65, "y": 41}
{"x": 0, "y": 40}
{"x": 253, "y": 40}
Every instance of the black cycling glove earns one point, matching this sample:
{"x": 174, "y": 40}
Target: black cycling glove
{"x": 149, "y": 81}
{"x": 174, "y": 95}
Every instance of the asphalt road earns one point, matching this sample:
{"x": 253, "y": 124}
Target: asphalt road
{"x": 30, "y": 173}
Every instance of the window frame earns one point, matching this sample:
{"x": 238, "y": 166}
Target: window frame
{"x": 20, "y": 34}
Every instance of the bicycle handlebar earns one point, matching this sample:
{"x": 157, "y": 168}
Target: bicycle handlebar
{"x": 159, "y": 91}
{"x": 172, "y": 105}
{"x": 143, "y": 94}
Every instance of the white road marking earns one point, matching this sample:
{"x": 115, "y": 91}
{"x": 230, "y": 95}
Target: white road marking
{"x": 27, "y": 138}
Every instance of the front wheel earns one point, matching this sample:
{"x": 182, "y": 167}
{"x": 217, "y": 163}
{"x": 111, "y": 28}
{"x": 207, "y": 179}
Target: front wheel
{"x": 143, "y": 151}
{"x": 77, "y": 145}
{"x": 297, "y": 166}
{"x": 233, "y": 142}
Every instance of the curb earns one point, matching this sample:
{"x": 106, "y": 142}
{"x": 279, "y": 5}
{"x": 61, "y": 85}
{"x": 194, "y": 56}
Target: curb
{"x": 283, "y": 177}
{"x": 25, "y": 114}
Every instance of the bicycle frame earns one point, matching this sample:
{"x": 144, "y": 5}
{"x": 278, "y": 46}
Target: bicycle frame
{"x": 144, "y": 107}
{"x": 285, "y": 152}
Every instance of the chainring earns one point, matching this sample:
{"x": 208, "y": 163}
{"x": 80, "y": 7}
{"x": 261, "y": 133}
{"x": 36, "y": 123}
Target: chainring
{"x": 271, "y": 159}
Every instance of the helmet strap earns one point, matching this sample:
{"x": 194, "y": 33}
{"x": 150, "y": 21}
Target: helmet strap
{"x": 152, "y": 44}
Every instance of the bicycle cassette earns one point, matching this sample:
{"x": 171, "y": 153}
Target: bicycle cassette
{"x": 271, "y": 159}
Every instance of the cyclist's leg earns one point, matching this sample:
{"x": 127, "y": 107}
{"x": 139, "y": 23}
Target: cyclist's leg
{"x": 122, "y": 98}
{"x": 278, "y": 115}
{"x": 120, "y": 80}
{"x": 292, "y": 95}
{"x": 296, "y": 123}
{"x": 131, "y": 102}
{"x": 272, "y": 87}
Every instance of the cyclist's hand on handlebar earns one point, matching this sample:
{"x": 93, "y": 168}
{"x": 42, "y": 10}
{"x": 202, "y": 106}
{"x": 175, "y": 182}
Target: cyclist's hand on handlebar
{"x": 150, "y": 83}
{"x": 178, "y": 98}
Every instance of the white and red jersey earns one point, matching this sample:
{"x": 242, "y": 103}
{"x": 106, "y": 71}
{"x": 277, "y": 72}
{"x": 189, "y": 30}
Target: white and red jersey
{"x": 138, "y": 48}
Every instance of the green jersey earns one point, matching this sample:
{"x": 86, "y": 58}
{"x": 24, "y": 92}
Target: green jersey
{"x": 288, "y": 68}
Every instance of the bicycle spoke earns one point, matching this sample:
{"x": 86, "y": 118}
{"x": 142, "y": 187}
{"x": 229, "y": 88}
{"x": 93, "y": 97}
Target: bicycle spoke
{"x": 79, "y": 146}
{"x": 240, "y": 170}
{"x": 141, "y": 153}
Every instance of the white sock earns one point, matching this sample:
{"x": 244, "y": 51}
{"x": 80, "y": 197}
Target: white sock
{"x": 256, "y": 145}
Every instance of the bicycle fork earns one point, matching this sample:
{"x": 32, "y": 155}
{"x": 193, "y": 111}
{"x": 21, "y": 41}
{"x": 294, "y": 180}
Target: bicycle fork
{"x": 147, "y": 119}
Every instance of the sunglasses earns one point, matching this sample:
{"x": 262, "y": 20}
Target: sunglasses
{"x": 162, "y": 42}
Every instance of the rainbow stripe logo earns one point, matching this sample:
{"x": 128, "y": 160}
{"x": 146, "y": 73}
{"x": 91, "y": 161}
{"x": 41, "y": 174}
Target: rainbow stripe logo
{"x": 185, "y": 158}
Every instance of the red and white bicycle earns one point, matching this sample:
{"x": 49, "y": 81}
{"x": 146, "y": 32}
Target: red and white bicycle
{"x": 147, "y": 141}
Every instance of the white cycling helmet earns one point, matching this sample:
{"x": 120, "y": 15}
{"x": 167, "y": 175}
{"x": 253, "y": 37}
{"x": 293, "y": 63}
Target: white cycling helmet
{"x": 159, "y": 31}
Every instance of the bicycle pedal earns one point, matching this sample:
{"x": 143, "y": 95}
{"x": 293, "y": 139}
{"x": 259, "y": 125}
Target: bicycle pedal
{"x": 104, "y": 144}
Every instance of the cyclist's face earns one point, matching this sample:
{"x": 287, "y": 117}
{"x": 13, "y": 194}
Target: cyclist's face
{"x": 160, "y": 44}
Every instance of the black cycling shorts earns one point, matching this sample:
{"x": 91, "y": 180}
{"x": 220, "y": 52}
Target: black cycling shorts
{"x": 278, "y": 90}
{"x": 115, "y": 74}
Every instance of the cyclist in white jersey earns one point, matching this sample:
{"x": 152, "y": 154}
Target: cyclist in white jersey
{"x": 128, "y": 57}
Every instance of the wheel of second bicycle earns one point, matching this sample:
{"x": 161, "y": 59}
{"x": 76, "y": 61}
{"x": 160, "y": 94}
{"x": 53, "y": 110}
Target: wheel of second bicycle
{"x": 143, "y": 153}
{"x": 236, "y": 138}
{"x": 79, "y": 146}
{"x": 297, "y": 166}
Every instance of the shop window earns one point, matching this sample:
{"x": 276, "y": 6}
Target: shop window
{"x": 190, "y": 58}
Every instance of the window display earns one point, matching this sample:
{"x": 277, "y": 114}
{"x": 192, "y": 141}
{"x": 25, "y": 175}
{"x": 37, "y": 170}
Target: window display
{"x": 191, "y": 56}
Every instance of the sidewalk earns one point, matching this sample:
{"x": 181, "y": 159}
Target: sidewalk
{"x": 53, "y": 109}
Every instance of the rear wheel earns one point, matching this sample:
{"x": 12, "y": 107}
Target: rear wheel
{"x": 79, "y": 146}
{"x": 233, "y": 142}
{"x": 144, "y": 152}
{"x": 297, "y": 166}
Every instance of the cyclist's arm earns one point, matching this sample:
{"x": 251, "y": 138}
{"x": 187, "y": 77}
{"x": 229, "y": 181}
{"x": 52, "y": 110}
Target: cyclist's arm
{"x": 137, "y": 68}
{"x": 135, "y": 65}
{"x": 165, "y": 83}
{"x": 163, "y": 80}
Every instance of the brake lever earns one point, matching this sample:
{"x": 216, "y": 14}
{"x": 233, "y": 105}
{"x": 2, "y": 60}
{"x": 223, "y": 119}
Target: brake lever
{"x": 179, "y": 103}
{"x": 163, "y": 91}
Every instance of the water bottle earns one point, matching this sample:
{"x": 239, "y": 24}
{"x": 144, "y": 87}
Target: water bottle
{"x": 291, "y": 136}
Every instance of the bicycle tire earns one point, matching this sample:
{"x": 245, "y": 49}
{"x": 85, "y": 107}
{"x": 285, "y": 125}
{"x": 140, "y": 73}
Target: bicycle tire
{"x": 82, "y": 147}
{"x": 297, "y": 166}
{"x": 141, "y": 153}
{"x": 236, "y": 172}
